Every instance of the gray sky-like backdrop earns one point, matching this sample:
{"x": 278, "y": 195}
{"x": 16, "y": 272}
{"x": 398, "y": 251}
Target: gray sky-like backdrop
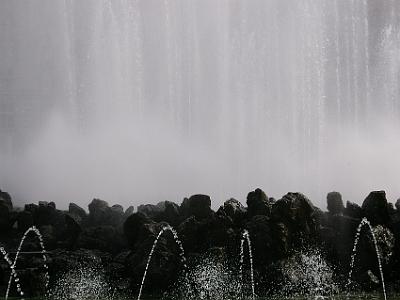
{"x": 143, "y": 101}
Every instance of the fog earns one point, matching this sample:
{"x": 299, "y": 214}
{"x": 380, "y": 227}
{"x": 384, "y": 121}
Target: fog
{"x": 137, "y": 102}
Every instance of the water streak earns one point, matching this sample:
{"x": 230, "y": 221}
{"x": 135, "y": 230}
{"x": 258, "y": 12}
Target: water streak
{"x": 181, "y": 254}
{"x": 365, "y": 222}
{"x": 246, "y": 237}
{"x": 13, "y": 264}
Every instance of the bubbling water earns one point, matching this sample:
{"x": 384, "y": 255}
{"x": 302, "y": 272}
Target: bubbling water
{"x": 365, "y": 222}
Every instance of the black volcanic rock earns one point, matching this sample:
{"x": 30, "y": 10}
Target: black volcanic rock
{"x": 397, "y": 205}
{"x": 353, "y": 210}
{"x": 197, "y": 205}
{"x": 6, "y": 207}
{"x": 170, "y": 213}
{"x": 258, "y": 203}
{"x": 199, "y": 235}
{"x": 233, "y": 209}
{"x": 76, "y": 210}
{"x": 5, "y": 216}
{"x": 150, "y": 210}
{"x": 98, "y": 211}
{"x": 101, "y": 214}
{"x": 130, "y": 210}
{"x": 73, "y": 230}
{"x": 375, "y": 208}
{"x": 5, "y": 198}
{"x": 47, "y": 214}
{"x": 298, "y": 214}
{"x": 270, "y": 240}
{"x": 104, "y": 238}
{"x": 24, "y": 220}
{"x": 335, "y": 203}
{"x": 138, "y": 227}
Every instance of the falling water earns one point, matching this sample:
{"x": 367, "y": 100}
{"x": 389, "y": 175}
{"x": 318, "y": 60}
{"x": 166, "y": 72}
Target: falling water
{"x": 218, "y": 97}
{"x": 246, "y": 237}
{"x": 178, "y": 242}
{"x": 365, "y": 222}
{"x": 13, "y": 264}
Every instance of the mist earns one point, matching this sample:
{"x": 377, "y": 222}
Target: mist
{"x": 138, "y": 102}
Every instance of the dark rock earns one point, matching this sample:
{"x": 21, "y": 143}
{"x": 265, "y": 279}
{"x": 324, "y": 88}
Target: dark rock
{"x": 335, "y": 203}
{"x": 76, "y": 210}
{"x": 98, "y": 211}
{"x": 258, "y": 203}
{"x": 338, "y": 239}
{"x": 398, "y": 204}
{"x": 353, "y": 210}
{"x": 46, "y": 214}
{"x": 73, "y": 230}
{"x": 375, "y": 208}
{"x": 296, "y": 212}
{"x": 170, "y": 214}
{"x": 199, "y": 235}
{"x": 197, "y": 205}
{"x": 5, "y": 216}
{"x": 138, "y": 227}
{"x": 100, "y": 214}
{"x": 270, "y": 240}
{"x": 5, "y": 198}
{"x": 31, "y": 207}
{"x": 368, "y": 280}
{"x": 117, "y": 209}
{"x": 130, "y": 210}
{"x": 104, "y": 238}
{"x": 24, "y": 220}
{"x": 233, "y": 209}
{"x": 150, "y": 210}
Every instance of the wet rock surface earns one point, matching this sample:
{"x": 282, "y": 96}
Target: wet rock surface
{"x": 120, "y": 240}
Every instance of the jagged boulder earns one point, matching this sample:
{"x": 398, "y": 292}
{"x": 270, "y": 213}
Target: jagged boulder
{"x": 170, "y": 214}
{"x": 197, "y": 205}
{"x": 335, "y": 203}
{"x": 298, "y": 214}
{"x": 139, "y": 227}
{"x": 73, "y": 230}
{"x": 5, "y": 198}
{"x": 375, "y": 208}
{"x": 129, "y": 211}
{"x": 258, "y": 203}
{"x": 234, "y": 210}
{"x": 77, "y": 211}
{"x": 99, "y": 212}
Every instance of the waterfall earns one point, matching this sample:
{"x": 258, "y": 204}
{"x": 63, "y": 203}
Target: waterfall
{"x": 216, "y": 97}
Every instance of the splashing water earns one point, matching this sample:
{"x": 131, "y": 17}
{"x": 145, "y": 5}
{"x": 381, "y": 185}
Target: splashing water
{"x": 86, "y": 282}
{"x": 306, "y": 274}
{"x": 365, "y": 222}
{"x": 13, "y": 264}
{"x": 246, "y": 237}
{"x": 178, "y": 242}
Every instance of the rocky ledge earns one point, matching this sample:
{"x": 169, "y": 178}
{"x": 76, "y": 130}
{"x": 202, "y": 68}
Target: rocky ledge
{"x": 120, "y": 240}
